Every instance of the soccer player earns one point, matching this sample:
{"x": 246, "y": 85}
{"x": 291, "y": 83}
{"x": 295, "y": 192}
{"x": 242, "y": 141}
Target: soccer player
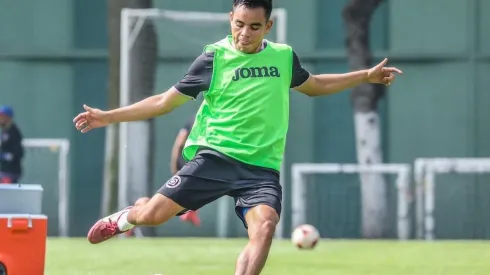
{"x": 11, "y": 149}
{"x": 177, "y": 162}
{"x": 237, "y": 143}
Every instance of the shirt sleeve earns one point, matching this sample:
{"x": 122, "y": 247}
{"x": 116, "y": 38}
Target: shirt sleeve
{"x": 300, "y": 74}
{"x": 198, "y": 77}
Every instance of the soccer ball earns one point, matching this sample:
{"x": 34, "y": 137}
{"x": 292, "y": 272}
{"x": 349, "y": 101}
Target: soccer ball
{"x": 305, "y": 236}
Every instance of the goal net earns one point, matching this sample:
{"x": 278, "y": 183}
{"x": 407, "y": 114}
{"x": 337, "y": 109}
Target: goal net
{"x": 451, "y": 198}
{"x": 46, "y": 163}
{"x": 181, "y": 37}
{"x": 310, "y": 206}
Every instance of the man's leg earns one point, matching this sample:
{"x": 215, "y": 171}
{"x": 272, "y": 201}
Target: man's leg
{"x": 155, "y": 211}
{"x": 261, "y": 221}
{"x": 190, "y": 189}
{"x": 258, "y": 203}
{"x": 140, "y": 201}
{"x": 146, "y": 212}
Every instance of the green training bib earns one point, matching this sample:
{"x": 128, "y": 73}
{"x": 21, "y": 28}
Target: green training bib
{"x": 245, "y": 112}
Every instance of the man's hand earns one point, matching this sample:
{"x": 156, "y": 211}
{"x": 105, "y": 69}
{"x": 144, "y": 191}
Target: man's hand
{"x": 380, "y": 74}
{"x": 91, "y": 119}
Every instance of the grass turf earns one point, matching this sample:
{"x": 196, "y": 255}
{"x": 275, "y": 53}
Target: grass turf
{"x": 189, "y": 256}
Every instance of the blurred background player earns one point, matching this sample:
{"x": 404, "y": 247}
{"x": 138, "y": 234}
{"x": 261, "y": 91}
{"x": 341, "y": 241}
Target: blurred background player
{"x": 177, "y": 161}
{"x": 11, "y": 150}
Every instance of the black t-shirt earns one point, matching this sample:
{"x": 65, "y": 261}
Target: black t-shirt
{"x": 11, "y": 143}
{"x": 198, "y": 77}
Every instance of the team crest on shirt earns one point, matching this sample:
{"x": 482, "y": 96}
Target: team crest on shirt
{"x": 173, "y": 182}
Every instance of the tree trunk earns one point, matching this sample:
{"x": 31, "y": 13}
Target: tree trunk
{"x": 357, "y": 16}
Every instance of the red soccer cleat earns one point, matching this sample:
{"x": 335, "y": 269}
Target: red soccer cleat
{"x": 191, "y": 217}
{"x": 106, "y": 228}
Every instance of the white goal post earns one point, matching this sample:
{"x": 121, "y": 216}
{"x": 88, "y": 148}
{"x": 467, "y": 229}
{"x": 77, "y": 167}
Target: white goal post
{"x": 425, "y": 171}
{"x": 299, "y": 196}
{"x": 132, "y": 21}
{"x": 62, "y": 147}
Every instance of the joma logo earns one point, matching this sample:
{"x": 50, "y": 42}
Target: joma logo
{"x": 256, "y": 72}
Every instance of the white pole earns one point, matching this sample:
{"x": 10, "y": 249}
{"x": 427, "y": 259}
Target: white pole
{"x": 419, "y": 189}
{"x": 222, "y": 228}
{"x": 124, "y": 101}
{"x": 403, "y": 223}
{"x": 64, "y": 193}
{"x": 429, "y": 204}
{"x": 297, "y": 196}
{"x": 282, "y": 29}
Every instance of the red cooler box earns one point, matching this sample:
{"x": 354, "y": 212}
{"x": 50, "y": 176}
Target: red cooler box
{"x": 23, "y": 244}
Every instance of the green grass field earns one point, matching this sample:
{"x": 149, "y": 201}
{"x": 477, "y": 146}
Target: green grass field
{"x": 186, "y": 256}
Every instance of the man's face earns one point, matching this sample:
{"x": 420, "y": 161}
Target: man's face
{"x": 4, "y": 120}
{"x": 248, "y": 28}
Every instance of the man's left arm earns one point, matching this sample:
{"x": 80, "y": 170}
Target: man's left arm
{"x": 327, "y": 84}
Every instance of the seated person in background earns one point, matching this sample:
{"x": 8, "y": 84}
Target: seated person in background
{"x": 11, "y": 150}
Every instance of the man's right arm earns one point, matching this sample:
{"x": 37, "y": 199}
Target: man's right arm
{"x": 196, "y": 80}
{"x": 150, "y": 107}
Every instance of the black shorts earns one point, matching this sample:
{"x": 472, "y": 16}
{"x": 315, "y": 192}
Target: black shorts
{"x": 211, "y": 175}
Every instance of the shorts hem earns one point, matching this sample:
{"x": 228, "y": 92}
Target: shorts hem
{"x": 186, "y": 207}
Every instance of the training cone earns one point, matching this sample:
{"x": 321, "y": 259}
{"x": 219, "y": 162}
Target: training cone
{"x": 22, "y": 244}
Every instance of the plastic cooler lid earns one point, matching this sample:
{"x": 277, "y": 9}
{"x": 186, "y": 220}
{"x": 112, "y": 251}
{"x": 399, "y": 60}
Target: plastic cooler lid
{"x": 21, "y": 186}
{"x": 22, "y": 216}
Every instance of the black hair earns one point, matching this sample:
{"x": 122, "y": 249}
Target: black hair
{"x": 252, "y": 4}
